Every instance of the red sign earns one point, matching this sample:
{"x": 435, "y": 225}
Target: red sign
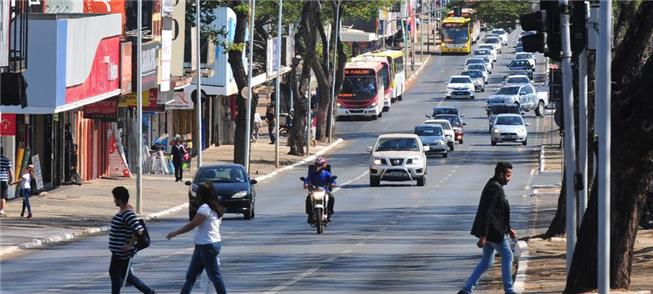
{"x": 359, "y": 72}
{"x": 8, "y": 126}
{"x": 106, "y": 7}
{"x": 104, "y": 110}
{"x": 125, "y": 67}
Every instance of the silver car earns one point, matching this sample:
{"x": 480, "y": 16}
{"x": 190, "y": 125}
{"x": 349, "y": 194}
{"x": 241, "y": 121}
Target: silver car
{"x": 509, "y": 128}
{"x": 477, "y": 77}
{"x": 398, "y": 157}
{"x": 432, "y": 135}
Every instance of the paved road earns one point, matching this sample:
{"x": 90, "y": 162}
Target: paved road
{"x": 390, "y": 239}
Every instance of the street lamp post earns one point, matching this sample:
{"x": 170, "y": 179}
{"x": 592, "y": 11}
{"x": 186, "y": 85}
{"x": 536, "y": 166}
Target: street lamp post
{"x": 250, "y": 63}
{"x": 278, "y": 86}
{"x": 139, "y": 107}
{"x": 335, "y": 68}
{"x": 198, "y": 96}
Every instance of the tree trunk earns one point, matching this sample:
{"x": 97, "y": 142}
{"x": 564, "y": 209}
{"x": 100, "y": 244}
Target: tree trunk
{"x": 635, "y": 43}
{"x": 240, "y": 75}
{"x": 558, "y": 224}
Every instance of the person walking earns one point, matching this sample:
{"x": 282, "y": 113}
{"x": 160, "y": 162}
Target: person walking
{"x": 270, "y": 118}
{"x": 125, "y": 228}
{"x": 206, "y": 238}
{"x": 492, "y": 228}
{"x": 178, "y": 154}
{"x": 6, "y": 177}
{"x": 26, "y": 190}
{"x": 256, "y": 127}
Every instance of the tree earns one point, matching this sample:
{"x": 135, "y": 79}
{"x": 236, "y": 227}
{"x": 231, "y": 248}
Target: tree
{"x": 500, "y": 13}
{"x": 632, "y": 71}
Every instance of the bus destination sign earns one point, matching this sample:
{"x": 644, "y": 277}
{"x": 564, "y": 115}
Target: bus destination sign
{"x": 359, "y": 72}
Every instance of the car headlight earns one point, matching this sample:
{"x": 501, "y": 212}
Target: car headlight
{"x": 416, "y": 160}
{"x": 373, "y": 104}
{"x": 376, "y": 161}
{"x": 338, "y": 104}
{"x": 496, "y": 131}
{"x": 240, "y": 194}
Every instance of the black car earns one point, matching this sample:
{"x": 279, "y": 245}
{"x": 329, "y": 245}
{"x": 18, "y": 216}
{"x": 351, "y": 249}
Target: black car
{"x": 234, "y": 188}
{"x": 444, "y": 110}
{"x": 521, "y": 64}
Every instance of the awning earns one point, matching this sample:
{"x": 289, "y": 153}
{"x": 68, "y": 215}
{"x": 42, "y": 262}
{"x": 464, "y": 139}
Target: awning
{"x": 352, "y": 35}
{"x": 52, "y": 108}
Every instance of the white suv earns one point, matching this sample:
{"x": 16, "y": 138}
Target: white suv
{"x": 398, "y": 157}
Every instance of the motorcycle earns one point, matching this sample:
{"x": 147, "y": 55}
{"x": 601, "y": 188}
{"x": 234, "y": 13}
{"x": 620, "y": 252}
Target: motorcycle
{"x": 319, "y": 204}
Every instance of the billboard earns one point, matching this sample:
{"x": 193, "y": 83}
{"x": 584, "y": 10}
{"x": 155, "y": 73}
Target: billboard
{"x": 222, "y": 82}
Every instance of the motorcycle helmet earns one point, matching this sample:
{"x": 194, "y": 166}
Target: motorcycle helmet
{"x": 320, "y": 161}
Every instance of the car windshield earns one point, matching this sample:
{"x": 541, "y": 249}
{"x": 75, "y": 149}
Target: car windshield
{"x": 359, "y": 87}
{"x": 493, "y": 40}
{"x": 460, "y": 80}
{"x": 474, "y": 61}
{"x": 397, "y": 144}
{"x": 498, "y": 109}
{"x": 489, "y": 47}
{"x": 518, "y": 72}
{"x": 482, "y": 52}
{"x": 229, "y": 174}
{"x": 509, "y": 121}
{"x": 444, "y": 110}
{"x": 517, "y": 80}
{"x": 473, "y": 73}
{"x": 480, "y": 67}
{"x": 508, "y": 91}
{"x": 523, "y": 56}
{"x": 455, "y": 34}
{"x": 520, "y": 62}
{"x": 454, "y": 120}
{"x": 428, "y": 131}
{"x": 444, "y": 125}
{"x": 497, "y": 32}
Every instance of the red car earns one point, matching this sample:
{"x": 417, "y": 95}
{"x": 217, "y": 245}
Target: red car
{"x": 456, "y": 123}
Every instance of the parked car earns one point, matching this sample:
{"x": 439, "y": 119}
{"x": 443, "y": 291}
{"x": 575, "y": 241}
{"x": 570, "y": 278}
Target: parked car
{"x": 523, "y": 96}
{"x": 398, "y": 157}
{"x": 509, "y": 127}
{"x": 501, "y": 33}
{"x": 481, "y": 67}
{"x": 485, "y": 52}
{"x": 496, "y": 109}
{"x": 433, "y": 136}
{"x": 477, "y": 77}
{"x": 449, "y": 134}
{"x": 522, "y": 64}
{"x": 460, "y": 86}
{"x": 456, "y": 123}
{"x": 234, "y": 187}
{"x": 517, "y": 80}
{"x": 528, "y": 56}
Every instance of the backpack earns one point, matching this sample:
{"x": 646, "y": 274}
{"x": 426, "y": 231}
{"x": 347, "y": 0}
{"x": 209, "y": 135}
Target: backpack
{"x": 143, "y": 240}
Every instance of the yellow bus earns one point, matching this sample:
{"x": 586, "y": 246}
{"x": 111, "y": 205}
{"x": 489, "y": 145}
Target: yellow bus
{"x": 459, "y": 32}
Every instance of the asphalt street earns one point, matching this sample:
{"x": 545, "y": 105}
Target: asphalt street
{"x": 397, "y": 238}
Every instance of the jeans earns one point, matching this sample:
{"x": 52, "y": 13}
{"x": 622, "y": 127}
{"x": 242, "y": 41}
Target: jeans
{"x": 117, "y": 271}
{"x": 486, "y": 261}
{"x": 205, "y": 257}
{"x": 271, "y": 132}
{"x": 26, "y": 193}
{"x": 179, "y": 172}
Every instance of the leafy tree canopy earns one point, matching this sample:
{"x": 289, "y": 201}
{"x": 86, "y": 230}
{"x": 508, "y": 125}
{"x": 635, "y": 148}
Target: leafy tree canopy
{"x": 501, "y": 13}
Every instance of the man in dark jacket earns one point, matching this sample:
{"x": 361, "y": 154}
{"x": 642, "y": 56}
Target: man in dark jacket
{"x": 491, "y": 225}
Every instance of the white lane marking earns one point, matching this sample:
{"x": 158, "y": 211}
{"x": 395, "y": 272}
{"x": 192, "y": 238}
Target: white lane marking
{"x": 533, "y": 171}
{"x": 437, "y": 186}
{"x": 350, "y": 181}
{"x": 346, "y": 251}
{"x": 527, "y": 187}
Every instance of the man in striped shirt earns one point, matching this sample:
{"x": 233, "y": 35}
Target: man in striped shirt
{"x": 124, "y": 229}
{"x": 6, "y": 177}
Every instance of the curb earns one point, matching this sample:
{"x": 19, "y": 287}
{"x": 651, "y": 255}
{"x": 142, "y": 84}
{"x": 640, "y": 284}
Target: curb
{"x": 54, "y": 239}
{"x": 302, "y": 162}
{"x": 521, "y": 253}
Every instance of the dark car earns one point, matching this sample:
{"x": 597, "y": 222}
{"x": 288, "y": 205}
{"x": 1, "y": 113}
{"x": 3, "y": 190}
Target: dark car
{"x": 444, "y": 110}
{"x": 234, "y": 188}
{"x": 522, "y": 64}
{"x": 456, "y": 123}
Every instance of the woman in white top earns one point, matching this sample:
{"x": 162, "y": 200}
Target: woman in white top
{"x": 26, "y": 190}
{"x": 206, "y": 238}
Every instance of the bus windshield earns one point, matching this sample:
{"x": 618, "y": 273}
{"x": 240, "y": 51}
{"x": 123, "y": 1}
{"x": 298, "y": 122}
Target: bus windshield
{"x": 455, "y": 33}
{"x": 359, "y": 87}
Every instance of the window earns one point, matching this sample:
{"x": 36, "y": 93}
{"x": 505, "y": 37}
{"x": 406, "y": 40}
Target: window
{"x": 508, "y": 91}
{"x": 460, "y": 80}
{"x": 399, "y": 64}
{"x": 509, "y": 121}
{"x": 360, "y": 87}
{"x": 428, "y": 131}
{"x": 397, "y": 144}
{"x": 221, "y": 174}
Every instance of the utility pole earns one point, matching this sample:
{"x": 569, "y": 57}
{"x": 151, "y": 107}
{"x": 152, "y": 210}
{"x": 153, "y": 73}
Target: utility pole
{"x": 569, "y": 139}
{"x": 335, "y": 68}
{"x": 250, "y": 63}
{"x": 603, "y": 115}
{"x": 198, "y": 145}
{"x": 278, "y": 86}
{"x": 309, "y": 120}
{"x": 582, "y": 117}
{"x": 139, "y": 107}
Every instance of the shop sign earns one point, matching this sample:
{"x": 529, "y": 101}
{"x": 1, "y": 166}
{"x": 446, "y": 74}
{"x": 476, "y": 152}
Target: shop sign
{"x": 8, "y": 124}
{"x": 125, "y": 68}
{"x": 179, "y": 101}
{"x": 38, "y": 174}
{"x": 149, "y": 98}
{"x": 104, "y": 110}
{"x": 148, "y": 64}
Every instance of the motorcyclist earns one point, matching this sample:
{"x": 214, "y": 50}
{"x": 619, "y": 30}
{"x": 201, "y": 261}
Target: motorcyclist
{"x": 319, "y": 175}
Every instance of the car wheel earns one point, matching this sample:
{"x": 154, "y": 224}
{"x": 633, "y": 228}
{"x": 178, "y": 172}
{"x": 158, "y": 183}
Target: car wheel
{"x": 400, "y": 97}
{"x": 483, "y": 89}
{"x": 524, "y": 142}
{"x": 374, "y": 117}
{"x": 539, "y": 110}
{"x": 421, "y": 181}
{"x": 494, "y": 143}
{"x": 448, "y": 97}
{"x": 386, "y": 108}
{"x": 381, "y": 114}
{"x": 249, "y": 214}
{"x": 471, "y": 97}
{"x": 374, "y": 181}
{"x": 445, "y": 155}
{"x": 451, "y": 147}
{"x": 461, "y": 141}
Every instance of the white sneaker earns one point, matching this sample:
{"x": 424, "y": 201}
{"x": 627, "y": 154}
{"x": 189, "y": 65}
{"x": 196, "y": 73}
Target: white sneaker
{"x": 2, "y": 214}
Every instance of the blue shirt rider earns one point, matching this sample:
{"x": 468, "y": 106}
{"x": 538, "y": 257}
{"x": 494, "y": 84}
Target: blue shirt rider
{"x": 320, "y": 176}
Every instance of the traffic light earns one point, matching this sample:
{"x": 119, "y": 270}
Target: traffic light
{"x": 578, "y": 27}
{"x": 546, "y": 24}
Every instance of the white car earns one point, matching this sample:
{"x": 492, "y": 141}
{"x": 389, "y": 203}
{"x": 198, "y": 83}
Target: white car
{"x": 528, "y": 56}
{"x": 490, "y": 47}
{"x": 449, "y": 133}
{"x": 398, "y": 157}
{"x": 485, "y": 53}
{"x": 509, "y": 127}
{"x": 460, "y": 87}
{"x": 501, "y": 33}
{"x": 517, "y": 80}
{"x": 494, "y": 40}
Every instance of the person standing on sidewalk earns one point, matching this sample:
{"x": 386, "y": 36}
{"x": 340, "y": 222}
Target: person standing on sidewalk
{"x": 6, "y": 177}
{"x": 122, "y": 236}
{"x": 26, "y": 190}
{"x": 206, "y": 238}
{"x": 178, "y": 154}
{"x": 492, "y": 228}
{"x": 256, "y": 126}
{"x": 270, "y": 118}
